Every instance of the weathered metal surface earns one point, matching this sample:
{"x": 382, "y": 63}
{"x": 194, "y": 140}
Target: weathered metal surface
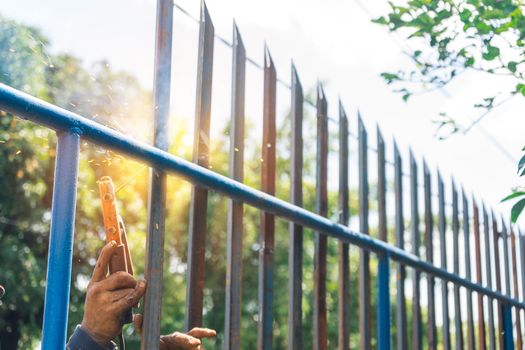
{"x": 442, "y": 226}
{"x": 519, "y": 340}
{"x": 320, "y": 326}
{"x": 488, "y": 272}
{"x": 295, "y": 258}
{"x": 364, "y": 257}
{"x": 429, "y": 247}
{"x": 383, "y": 269}
{"x": 201, "y": 154}
{"x": 477, "y": 251}
{"x": 417, "y": 341}
{"x": 157, "y": 182}
{"x": 468, "y": 275}
{"x": 497, "y": 269}
{"x": 267, "y": 235}
{"x": 401, "y": 316}
{"x": 232, "y": 329}
{"x": 455, "y": 249}
{"x": 343, "y": 249}
{"x": 59, "y": 261}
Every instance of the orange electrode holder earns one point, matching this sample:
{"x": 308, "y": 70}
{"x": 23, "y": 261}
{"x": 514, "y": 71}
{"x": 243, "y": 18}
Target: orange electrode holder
{"x": 114, "y": 226}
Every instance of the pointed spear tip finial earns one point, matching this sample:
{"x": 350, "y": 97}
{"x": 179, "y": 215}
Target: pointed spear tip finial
{"x": 268, "y": 61}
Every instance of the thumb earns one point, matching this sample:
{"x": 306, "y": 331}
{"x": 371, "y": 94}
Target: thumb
{"x": 137, "y": 323}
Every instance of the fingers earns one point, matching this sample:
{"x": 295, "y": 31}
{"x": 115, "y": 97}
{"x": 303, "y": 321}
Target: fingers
{"x": 116, "y": 295}
{"x": 137, "y": 323}
{"x": 118, "y": 280}
{"x": 202, "y": 333}
{"x": 180, "y": 341}
{"x": 103, "y": 260}
{"x": 132, "y": 298}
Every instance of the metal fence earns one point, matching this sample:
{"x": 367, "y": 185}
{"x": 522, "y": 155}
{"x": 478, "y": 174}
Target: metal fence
{"x": 491, "y": 285}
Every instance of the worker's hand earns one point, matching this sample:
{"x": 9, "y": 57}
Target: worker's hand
{"x": 108, "y": 297}
{"x": 178, "y": 341}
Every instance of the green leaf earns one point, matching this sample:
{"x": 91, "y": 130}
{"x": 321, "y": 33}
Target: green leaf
{"x": 521, "y": 163}
{"x": 513, "y": 195}
{"x": 512, "y": 66}
{"x": 516, "y": 210}
{"x": 469, "y": 62}
{"x": 492, "y": 53}
{"x": 406, "y": 96}
{"x": 465, "y": 15}
{"x": 390, "y": 77}
{"x": 380, "y": 20}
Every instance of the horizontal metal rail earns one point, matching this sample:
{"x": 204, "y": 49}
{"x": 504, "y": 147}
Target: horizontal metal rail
{"x": 59, "y": 119}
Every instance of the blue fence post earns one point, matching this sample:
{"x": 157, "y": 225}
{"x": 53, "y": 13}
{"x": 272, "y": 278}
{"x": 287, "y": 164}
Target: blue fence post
{"x": 507, "y": 327}
{"x": 61, "y": 242}
{"x": 383, "y": 302}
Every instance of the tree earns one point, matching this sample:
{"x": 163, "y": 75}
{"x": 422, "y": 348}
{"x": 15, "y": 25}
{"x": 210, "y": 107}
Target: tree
{"x": 455, "y": 36}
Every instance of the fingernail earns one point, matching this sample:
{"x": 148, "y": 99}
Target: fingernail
{"x": 112, "y": 243}
{"x": 142, "y": 283}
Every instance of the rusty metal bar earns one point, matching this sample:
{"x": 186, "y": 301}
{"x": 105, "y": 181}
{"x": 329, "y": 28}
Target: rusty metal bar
{"x": 401, "y": 316}
{"x": 320, "y": 326}
{"x": 417, "y": 341}
{"x": 429, "y": 247}
{"x": 383, "y": 274}
{"x": 455, "y": 249}
{"x": 506, "y": 270}
{"x": 471, "y": 343}
{"x": 157, "y": 184}
{"x": 343, "y": 247}
{"x": 267, "y": 240}
{"x": 364, "y": 256}
{"x": 295, "y": 257}
{"x": 442, "y": 226}
{"x": 519, "y": 340}
{"x": 477, "y": 250}
{"x": 201, "y": 154}
{"x": 490, "y": 300}
{"x": 232, "y": 329}
{"x": 495, "y": 247}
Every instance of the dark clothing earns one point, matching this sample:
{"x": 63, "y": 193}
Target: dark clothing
{"x": 81, "y": 340}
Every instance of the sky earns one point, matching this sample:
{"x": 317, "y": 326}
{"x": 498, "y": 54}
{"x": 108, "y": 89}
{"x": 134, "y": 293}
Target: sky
{"x": 332, "y": 41}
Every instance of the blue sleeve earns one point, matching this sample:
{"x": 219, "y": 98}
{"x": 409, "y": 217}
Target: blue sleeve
{"x": 81, "y": 340}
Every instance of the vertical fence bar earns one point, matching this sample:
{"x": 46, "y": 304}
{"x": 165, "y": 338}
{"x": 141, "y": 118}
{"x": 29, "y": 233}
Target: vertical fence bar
{"x": 383, "y": 269}
{"x": 364, "y": 257}
{"x": 455, "y": 248}
{"x": 507, "y": 324}
{"x": 442, "y": 225}
{"x": 295, "y": 291}
{"x": 429, "y": 251}
{"x": 497, "y": 269}
{"x": 506, "y": 260}
{"x": 232, "y": 330}
{"x": 401, "y": 317}
{"x": 519, "y": 340}
{"x": 267, "y": 241}
{"x": 58, "y": 277}
{"x": 319, "y": 307}
{"x": 490, "y": 301}
{"x": 479, "y": 280}
{"x": 344, "y": 217}
{"x": 201, "y": 155}
{"x": 414, "y": 209}
{"x": 468, "y": 274}
{"x": 157, "y": 182}
{"x": 521, "y": 238}
{"x": 507, "y": 309}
